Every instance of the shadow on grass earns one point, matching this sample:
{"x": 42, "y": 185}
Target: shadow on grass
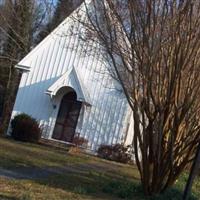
{"x": 130, "y": 190}
{"x": 89, "y": 183}
{"x": 50, "y": 168}
{"x": 5, "y": 197}
{"x": 95, "y": 184}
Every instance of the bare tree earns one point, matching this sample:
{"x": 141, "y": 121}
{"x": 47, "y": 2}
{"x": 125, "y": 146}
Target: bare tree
{"x": 19, "y": 21}
{"x": 63, "y": 9}
{"x": 153, "y": 50}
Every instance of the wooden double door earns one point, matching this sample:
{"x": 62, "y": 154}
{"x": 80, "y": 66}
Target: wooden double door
{"x": 67, "y": 118}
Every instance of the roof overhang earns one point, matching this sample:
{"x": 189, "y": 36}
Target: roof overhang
{"x": 71, "y": 79}
{"x": 22, "y": 67}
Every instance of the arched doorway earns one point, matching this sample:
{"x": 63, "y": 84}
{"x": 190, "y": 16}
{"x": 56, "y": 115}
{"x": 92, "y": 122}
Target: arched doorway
{"x": 67, "y": 117}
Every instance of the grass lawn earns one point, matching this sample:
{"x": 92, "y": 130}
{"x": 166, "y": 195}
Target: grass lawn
{"x": 47, "y": 173}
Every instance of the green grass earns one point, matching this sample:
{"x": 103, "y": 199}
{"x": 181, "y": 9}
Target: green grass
{"x": 81, "y": 176}
{"x": 16, "y": 154}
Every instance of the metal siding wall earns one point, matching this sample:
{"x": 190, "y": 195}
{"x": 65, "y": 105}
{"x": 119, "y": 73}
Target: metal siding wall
{"x": 104, "y": 122}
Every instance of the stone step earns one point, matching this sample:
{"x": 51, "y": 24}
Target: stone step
{"x": 56, "y": 144}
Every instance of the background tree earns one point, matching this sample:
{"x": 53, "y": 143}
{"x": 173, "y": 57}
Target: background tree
{"x": 63, "y": 9}
{"x": 23, "y": 24}
{"x": 153, "y": 50}
{"x": 19, "y": 20}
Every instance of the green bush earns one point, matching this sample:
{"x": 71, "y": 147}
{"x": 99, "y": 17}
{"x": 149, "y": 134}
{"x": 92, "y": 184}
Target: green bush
{"x": 25, "y": 128}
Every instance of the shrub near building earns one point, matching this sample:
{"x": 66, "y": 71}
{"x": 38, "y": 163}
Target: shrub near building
{"x": 117, "y": 152}
{"x": 25, "y": 128}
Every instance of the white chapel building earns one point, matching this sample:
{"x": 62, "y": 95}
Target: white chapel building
{"x": 69, "y": 92}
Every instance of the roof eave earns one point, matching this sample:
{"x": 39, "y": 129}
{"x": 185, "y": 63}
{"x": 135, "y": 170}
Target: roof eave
{"x": 23, "y": 68}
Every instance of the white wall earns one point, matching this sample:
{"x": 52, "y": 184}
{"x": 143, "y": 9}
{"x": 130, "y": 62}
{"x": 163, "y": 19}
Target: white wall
{"x": 106, "y": 121}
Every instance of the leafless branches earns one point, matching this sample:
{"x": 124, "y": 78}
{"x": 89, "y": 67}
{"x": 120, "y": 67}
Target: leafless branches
{"x": 154, "y": 48}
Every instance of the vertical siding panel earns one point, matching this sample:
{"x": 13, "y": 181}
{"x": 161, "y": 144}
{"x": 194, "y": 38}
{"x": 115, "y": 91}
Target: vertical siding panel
{"x": 21, "y": 94}
{"x": 112, "y": 119}
{"x": 102, "y": 109}
{"x": 28, "y": 89}
{"x": 62, "y": 57}
{"x": 118, "y": 132}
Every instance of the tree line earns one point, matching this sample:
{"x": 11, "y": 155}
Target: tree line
{"x": 23, "y": 24}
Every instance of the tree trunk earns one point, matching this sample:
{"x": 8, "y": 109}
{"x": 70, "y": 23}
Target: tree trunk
{"x": 193, "y": 174}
